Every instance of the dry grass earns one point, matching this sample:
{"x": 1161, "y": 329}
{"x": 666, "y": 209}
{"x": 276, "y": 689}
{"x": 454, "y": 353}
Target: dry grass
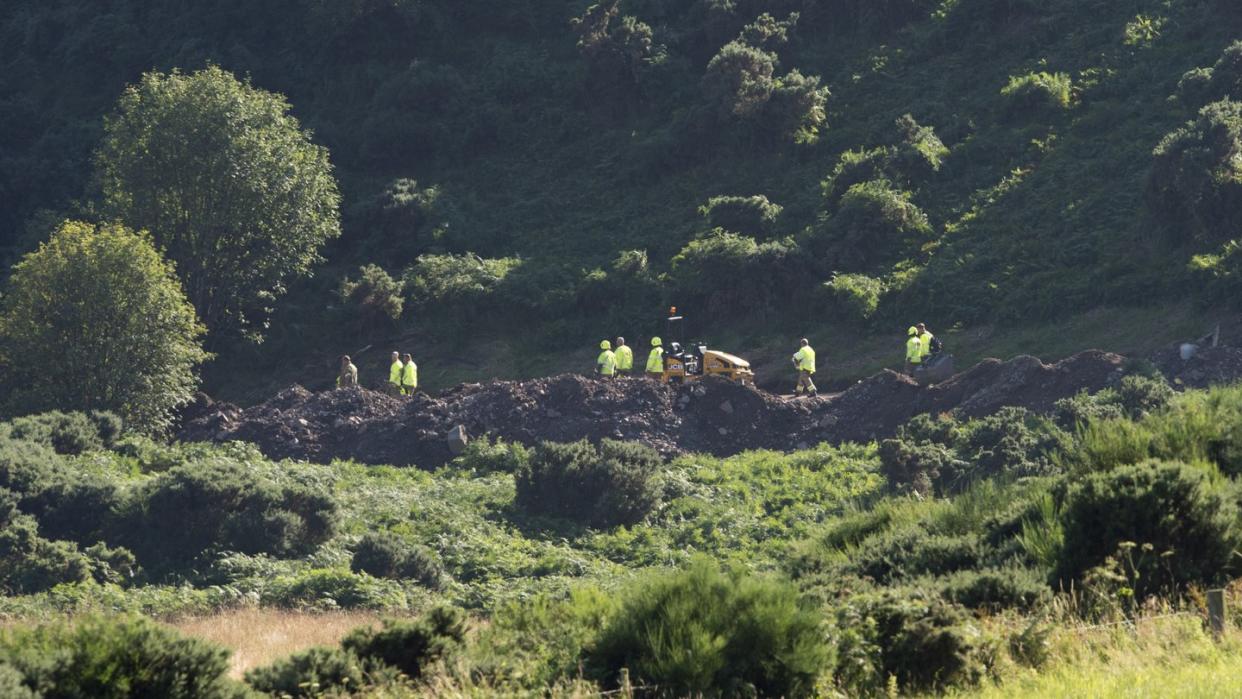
{"x": 259, "y": 636}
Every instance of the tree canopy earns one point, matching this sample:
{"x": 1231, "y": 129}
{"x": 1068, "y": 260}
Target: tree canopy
{"x": 95, "y": 319}
{"x": 227, "y": 182}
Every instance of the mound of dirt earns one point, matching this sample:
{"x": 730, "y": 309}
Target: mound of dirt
{"x": 714, "y": 416}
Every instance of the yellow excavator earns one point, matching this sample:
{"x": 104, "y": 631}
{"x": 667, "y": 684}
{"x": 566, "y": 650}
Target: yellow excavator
{"x": 689, "y": 364}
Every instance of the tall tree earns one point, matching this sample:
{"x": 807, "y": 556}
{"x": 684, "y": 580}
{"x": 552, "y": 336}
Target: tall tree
{"x": 95, "y": 319}
{"x": 228, "y": 183}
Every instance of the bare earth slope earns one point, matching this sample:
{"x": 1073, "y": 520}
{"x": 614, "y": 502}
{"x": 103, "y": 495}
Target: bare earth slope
{"x": 714, "y": 416}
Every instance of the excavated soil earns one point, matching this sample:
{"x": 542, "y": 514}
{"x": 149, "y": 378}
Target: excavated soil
{"x": 713, "y": 416}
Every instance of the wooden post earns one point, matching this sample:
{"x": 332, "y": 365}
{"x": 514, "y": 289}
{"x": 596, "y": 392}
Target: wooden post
{"x": 1216, "y": 611}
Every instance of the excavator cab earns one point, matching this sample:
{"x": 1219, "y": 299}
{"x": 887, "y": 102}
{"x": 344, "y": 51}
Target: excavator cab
{"x": 684, "y": 365}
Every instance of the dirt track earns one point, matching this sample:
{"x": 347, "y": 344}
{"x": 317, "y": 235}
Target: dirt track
{"x": 715, "y": 416}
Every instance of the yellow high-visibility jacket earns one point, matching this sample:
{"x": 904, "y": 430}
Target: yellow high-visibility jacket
{"x": 806, "y": 359}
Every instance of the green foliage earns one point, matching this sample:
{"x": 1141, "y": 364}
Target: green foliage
{"x": 374, "y": 300}
{"x": 858, "y": 293}
{"x": 617, "y": 48}
{"x": 753, "y": 216}
{"x": 228, "y": 184}
{"x": 400, "y": 222}
{"x": 1223, "y": 80}
{"x": 707, "y": 632}
{"x": 442, "y": 282}
{"x": 1013, "y": 442}
{"x": 613, "y": 484}
{"x": 67, "y": 433}
{"x": 385, "y": 557}
{"x": 995, "y": 589}
{"x": 739, "y": 80}
{"x": 325, "y": 589}
{"x": 904, "y": 554}
{"x": 761, "y": 275}
{"x": 919, "y": 150}
{"x": 114, "y": 658}
{"x": 410, "y": 646}
{"x": 1189, "y": 521}
{"x": 482, "y": 455}
{"x": 1195, "y": 184}
{"x": 855, "y": 167}
{"x": 309, "y": 674}
{"x": 220, "y": 505}
{"x": 123, "y": 336}
{"x": 923, "y": 642}
{"x": 875, "y": 222}
{"x": 1033, "y": 92}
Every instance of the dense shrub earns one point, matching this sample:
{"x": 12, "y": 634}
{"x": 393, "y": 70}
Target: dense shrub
{"x": 1033, "y": 92}
{"x": 739, "y": 79}
{"x": 13, "y": 683}
{"x": 1012, "y": 442}
{"x": 1195, "y": 184}
{"x": 857, "y": 293}
{"x": 912, "y": 466}
{"x": 1223, "y": 80}
{"x": 923, "y": 642}
{"x": 875, "y": 223}
{"x": 919, "y": 150}
{"x": 913, "y": 551}
{"x": 410, "y": 646}
{"x": 614, "y": 483}
{"x": 67, "y": 433}
{"x": 117, "y": 658}
{"x": 374, "y": 300}
{"x": 482, "y": 455}
{"x": 1187, "y": 519}
{"x": 617, "y": 48}
{"x": 762, "y": 276}
{"x": 705, "y": 632}
{"x": 310, "y": 673}
{"x": 994, "y": 589}
{"x": 855, "y": 167}
{"x": 400, "y": 222}
{"x": 217, "y": 505}
{"x": 388, "y": 557}
{"x": 440, "y": 282}
{"x": 326, "y": 589}
{"x": 753, "y": 216}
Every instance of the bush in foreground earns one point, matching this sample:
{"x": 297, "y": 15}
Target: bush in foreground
{"x": 1187, "y": 519}
{"x": 707, "y": 632}
{"x": 923, "y": 642}
{"x": 117, "y": 659}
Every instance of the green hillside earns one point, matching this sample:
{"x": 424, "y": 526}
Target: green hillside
{"x": 546, "y": 172}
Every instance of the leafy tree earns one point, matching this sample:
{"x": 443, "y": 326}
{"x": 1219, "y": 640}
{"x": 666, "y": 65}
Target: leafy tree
{"x": 228, "y": 184}
{"x": 768, "y": 33}
{"x": 1035, "y": 91}
{"x": 95, "y": 319}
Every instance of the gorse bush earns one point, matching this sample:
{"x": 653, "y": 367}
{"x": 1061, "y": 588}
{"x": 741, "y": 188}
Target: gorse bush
{"x": 875, "y": 221}
{"x": 753, "y": 216}
{"x": 1223, "y": 80}
{"x": 707, "y": 632}
{"x": 923, "y": 642}
{"x": 310, "y": 673}
{"x": 482, "y": 455}
{"x": 1032, "y": 92}
{"x": 761, "y": 274}
{"x": 117, "y": 658}
{"x": 857, "y": 293}
{"x": 1195, "y": 180}
{"x": 67, "y": 433}
{"x": 221, "y": 505}
{"x": 410, "y": 646}
{"x": 1188, "y": 520}
{"x": 374, "y": 300}
{"x": 614, "y": 483}
{"x": 388, "y": 557}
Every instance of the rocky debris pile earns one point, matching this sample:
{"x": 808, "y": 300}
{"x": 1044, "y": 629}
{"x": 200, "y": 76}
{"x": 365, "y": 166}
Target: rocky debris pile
{"x": 1208, "y": 366}
{"x": 714, "y": 416}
